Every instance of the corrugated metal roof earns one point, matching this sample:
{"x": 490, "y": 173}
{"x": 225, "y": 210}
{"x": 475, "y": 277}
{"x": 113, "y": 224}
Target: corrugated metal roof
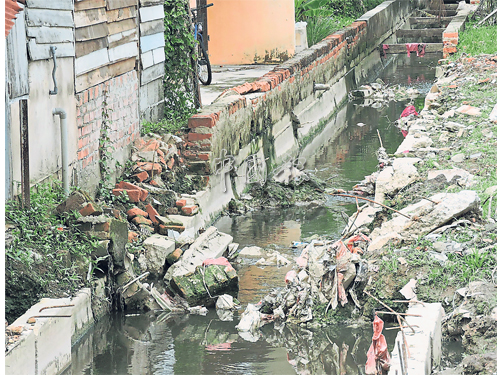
{"x": 12, "y": 8}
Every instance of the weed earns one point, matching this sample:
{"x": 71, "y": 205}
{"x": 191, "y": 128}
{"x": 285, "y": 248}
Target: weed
{"x": 475, "y": 41}
{"x": 163, "y": 126}
{"x": 47, "y": 253}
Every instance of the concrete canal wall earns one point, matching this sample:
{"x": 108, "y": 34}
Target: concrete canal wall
{"x": 44, "y": 345}
{"x": 265, "y": 123}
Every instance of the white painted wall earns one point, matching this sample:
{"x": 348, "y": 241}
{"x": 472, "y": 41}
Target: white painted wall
{"x": 44, "y": 128}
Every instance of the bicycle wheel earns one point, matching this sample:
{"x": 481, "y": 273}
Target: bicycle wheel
{"x": 204, "y": 68}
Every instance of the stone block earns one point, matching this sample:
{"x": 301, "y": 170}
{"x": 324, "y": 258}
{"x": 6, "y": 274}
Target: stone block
{"x": 119, "y": 238}
{"x": 157, "y": 249}
{"x": 74, "y": 202}
{"x": 102, "y": 249}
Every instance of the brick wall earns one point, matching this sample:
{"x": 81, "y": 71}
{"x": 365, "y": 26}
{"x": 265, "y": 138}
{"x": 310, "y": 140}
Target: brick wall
{"x": 122, "y": 106}
{"x": 122, "y": 102}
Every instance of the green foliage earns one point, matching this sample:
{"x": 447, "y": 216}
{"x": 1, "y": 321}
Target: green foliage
{"x": 106, "y": 160}
{"x": 179, "y": 55}
{"x": 40, "y": 238}
{"x": 475, "y": 41}
{"x": 310, "y": 8}
{"x": 162, "y": 127}
{"x": 320, "y": 27}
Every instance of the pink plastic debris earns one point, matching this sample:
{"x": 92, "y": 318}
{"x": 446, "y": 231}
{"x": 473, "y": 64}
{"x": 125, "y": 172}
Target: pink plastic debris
{"x": 410, "y": 110}
{"x": 379, "y": 359}
{"x": 218, "y": 262}
{"x": 303, "y": 258}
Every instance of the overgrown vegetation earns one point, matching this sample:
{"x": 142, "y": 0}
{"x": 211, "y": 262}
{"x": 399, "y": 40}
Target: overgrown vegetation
{"x": 475, "y": 41}
{"x": 179, "y": 73}
{"x": 45, "y": 254}
{"x": 324, "y": 17}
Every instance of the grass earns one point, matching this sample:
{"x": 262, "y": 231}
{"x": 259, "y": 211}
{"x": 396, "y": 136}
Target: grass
{"x": 44, "y": 251}
{"x": 475, "y": 41}
{"x": 162, "y": 127}
{"x": 435, "y": 277}
{"x": 319, "y": 28}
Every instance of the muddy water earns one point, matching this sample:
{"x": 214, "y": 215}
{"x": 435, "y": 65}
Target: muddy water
{"x": 165, "y": 344}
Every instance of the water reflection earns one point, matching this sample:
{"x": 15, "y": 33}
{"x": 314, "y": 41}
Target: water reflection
{"x": 149, "y": 344}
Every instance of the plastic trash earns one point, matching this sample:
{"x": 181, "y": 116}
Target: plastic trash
{"x": 378, "y": 354}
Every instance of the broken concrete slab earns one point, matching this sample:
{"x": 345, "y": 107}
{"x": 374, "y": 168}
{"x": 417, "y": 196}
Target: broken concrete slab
{"x": 206, "y": 282}
{"x": 380, "y": 241}
{"x": 465, "y": 178}
{"x": 118, "y": 232}
{"x": 252, "y": 251}
{"x": 469, "y": 110}
{"x": 158, "y": 248}
{"x": 365, "y": 217}
{"x": 427, "y": 216}
{"x": 210, "y": 244}
{"x": 425, "y": 345}
{"x": 412, "y": 142}
{"x": 393, "y": 178}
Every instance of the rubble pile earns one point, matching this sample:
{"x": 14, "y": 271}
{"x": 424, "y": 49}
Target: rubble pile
{"x": 326, "y": 273}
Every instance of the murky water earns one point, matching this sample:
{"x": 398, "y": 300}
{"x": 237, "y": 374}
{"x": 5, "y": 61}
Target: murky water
{"x": 165, "y": 344}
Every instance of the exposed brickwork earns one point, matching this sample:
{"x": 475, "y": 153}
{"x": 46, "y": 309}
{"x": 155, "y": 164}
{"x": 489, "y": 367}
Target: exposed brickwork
{"x": 199, "y": 146}
{"x": 122, "y": 106}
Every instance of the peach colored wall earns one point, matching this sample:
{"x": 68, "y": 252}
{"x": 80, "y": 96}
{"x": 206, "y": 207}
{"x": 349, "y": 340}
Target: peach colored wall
{"x": 250, "y": 31}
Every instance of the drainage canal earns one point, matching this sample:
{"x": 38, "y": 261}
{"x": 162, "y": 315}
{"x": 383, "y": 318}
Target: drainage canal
{"x": 344, "y": 153}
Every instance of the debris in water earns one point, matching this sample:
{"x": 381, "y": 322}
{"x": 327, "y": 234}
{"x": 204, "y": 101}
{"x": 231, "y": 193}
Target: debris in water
{"x": 379, "y": 359}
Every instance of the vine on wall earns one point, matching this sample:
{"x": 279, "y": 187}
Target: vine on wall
{"x": 179, "y": 52}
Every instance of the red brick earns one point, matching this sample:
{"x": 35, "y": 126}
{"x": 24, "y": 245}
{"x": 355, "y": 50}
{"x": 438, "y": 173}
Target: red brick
{"x": 126, "y": 185}
{"x": 142, "y": 176}
{"x": 141, "y": 220}
{"x": 181, "y": 203}
{"x": 171, "y": 163}
{"x": 450, "y": 35}
{"x": 174, "y": 256}
{"x": 133, "y": 212}
{"x": 88, "y": 210}
{"x": 189, "y": 210}
{"x": 198, "y": 136}
{"x": 133, "y": 195}
{"x": 132, "y": 236}
{"x": 148, "y": 166}
{"x": 144, "y": 195}
{"x": 206, "y": 121}
{"x": 152, "y": 213}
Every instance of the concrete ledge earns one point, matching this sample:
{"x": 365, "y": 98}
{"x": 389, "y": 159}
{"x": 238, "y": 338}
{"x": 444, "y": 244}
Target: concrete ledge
{"x": 45, "y": 346}
{"x": 425, "y": 345}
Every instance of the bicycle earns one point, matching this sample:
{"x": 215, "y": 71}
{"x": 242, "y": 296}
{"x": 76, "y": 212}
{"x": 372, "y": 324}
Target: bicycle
{"x": 204, "y": 70}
